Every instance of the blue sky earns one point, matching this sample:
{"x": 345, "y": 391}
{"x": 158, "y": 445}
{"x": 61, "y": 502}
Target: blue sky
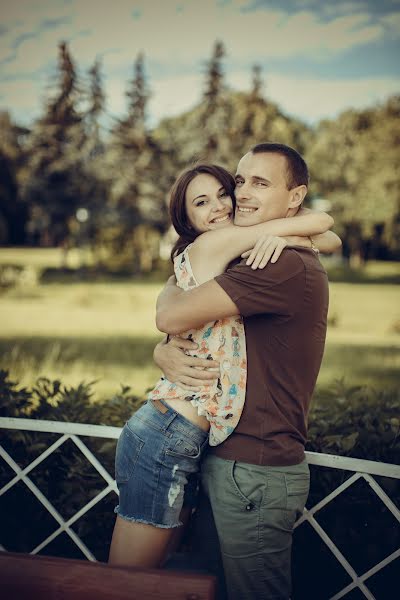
{"x": 317, "y": 57}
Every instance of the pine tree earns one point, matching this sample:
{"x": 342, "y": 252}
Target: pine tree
{"x": 61, "y": 109}
{"x": 138, "y": 96}
{"x": 257, "y": 83}
{"x": 215, "y": 114}
{"x": 55, "y": 181}
{"x": 131, "y": 144}
{"x": 255, "y": 108}
{"x": 135, "y": 161}
{"x": 96, "y": 107}
{"x": 12, "y": 162}
{"x": 214, "y": 78}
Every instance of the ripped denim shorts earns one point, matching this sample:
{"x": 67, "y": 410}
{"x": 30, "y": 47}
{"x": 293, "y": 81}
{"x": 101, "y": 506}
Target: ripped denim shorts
{"x": 156, "y": 464}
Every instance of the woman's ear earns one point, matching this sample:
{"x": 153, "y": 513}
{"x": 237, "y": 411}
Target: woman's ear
{"x": 297, "y": 196}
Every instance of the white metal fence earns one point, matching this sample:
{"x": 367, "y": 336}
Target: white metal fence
{"x": 362, "y": 469}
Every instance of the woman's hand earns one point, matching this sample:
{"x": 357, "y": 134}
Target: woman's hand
{"x": 267, "y": 248}
{"x": 188, "y": 372}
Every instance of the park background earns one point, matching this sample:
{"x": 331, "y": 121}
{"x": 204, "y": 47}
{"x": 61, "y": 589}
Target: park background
{"x": 99, "y": 114}
{"x": 101, "y": 106}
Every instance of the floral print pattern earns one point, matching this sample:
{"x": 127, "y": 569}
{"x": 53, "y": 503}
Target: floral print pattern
{"x": 221, "y": 401}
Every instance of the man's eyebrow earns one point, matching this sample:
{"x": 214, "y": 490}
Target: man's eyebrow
{"x": 254, "y": 178}
{"x": 262, "y": 179}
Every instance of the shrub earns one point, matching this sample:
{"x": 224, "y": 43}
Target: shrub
{"x": 354, "y": 422}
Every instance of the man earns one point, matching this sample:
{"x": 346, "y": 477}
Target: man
{"x": 258, "y": 480}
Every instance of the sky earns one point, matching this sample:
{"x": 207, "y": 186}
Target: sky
{"x": 318, "y": 57}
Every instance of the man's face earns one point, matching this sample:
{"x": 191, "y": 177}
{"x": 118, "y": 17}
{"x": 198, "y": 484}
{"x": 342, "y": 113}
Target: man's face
{"x": 261, "y": 189}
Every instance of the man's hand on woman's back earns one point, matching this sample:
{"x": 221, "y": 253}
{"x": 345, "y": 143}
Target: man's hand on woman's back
{"x": 189, "y": 372}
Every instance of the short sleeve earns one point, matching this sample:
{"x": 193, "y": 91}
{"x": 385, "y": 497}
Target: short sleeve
{"x": 275, "y": 289}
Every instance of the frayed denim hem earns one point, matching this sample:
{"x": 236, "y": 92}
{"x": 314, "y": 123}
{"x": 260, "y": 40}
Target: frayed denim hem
{"x": 134, "y": 520}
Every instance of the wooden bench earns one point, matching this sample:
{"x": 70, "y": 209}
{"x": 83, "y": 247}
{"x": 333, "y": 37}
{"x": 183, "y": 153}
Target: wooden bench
{"x": 27, "y": 577}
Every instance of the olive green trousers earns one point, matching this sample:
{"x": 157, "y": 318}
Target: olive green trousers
{"x": 255, "y": 508}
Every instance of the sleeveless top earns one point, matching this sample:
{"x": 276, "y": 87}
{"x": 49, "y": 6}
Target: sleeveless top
{"x": 221, "y": 401}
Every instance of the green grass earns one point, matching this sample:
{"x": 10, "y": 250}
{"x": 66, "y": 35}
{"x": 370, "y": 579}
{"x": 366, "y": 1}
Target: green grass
{"x": 90, "y": 332}
{"x": 105, "y": 332}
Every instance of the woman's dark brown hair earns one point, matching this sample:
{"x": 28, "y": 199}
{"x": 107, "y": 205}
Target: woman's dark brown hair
{"x": 177, "y": 204}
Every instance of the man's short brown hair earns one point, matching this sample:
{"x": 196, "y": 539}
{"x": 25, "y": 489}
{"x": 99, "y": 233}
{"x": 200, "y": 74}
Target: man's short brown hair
{"x": 297, "y": 170}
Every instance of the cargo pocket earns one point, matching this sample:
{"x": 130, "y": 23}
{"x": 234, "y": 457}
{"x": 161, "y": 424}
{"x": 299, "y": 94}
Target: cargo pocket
{"x": 297, "y": 487}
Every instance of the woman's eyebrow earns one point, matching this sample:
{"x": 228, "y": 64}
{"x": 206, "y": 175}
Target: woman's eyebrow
{"x": 221, "y": 189}
{"x": 199, "y": 196}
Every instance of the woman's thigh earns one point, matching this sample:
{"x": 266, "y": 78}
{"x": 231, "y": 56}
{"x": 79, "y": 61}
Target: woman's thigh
{"x": 156, "y": 454}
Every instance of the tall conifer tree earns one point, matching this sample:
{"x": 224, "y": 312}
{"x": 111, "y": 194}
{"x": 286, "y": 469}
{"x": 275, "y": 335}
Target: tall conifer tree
{"x": 215, "y": 113}
{"x": 53, "y": 185}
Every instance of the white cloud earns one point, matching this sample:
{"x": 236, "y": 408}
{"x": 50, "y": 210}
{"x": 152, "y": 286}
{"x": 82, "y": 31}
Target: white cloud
{"x": 167, "y": 35}
{"x": 179, "y": 42}
{"x": 392, "y": 23}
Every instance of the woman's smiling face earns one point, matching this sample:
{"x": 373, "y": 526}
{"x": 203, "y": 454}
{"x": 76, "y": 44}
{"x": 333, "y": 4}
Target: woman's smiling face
{"x": 208, "y": 205}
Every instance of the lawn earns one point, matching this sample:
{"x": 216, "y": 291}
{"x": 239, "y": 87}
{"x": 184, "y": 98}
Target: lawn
{"x": 105, "y": 332}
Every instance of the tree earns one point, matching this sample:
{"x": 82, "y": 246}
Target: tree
{"x": 258, "y": 120}
{"x": 238, "y": 121}
{"x": 354, "y": 162}
{"x": 257, "y": 83}
{"x": 96, "y": 100}
{"x": 54, "y": 174}
{"x": 12, "y": 159}
{"x": 135, "y": 160}
{"x": 132, "y": 150}
{"x": 215, "y": 114}
{"x": 214, "y": 78}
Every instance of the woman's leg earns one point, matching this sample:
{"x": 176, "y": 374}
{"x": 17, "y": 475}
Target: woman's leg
{"x": 156, "y": 453}
{"x": 139, "y": 545}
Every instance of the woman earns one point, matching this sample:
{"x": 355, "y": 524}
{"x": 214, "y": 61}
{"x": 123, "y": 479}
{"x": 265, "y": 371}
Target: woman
{"x": 160, "y": 447}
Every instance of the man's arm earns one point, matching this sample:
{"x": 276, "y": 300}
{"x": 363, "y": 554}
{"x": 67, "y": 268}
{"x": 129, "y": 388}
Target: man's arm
{"x": 240, "y": 290}
{"x": 179, "y": 310}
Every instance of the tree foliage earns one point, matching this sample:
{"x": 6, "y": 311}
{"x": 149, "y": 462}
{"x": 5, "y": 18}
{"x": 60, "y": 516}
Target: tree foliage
{"x": 355, "y": 162}
{"x": 54, "y": 173}
{"x": 121, "y": 176}
{"x": 136, "y": 208}
{"x": 12, "y": 159}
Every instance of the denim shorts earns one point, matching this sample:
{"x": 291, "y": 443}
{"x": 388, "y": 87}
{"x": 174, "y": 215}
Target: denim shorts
{"x": 156, "y": 464}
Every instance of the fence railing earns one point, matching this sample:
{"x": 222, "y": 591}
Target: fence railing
{"x": 362, "y": 469}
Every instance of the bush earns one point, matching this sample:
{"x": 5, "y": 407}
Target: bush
{"x": 358, "y": 422}
{"x": 354, "y": 422}
{"x": 66, "y": 477}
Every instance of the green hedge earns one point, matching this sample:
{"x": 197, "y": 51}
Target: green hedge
{"x": 354, "y": 422}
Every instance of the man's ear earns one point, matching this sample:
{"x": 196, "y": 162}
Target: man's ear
{"x": 297, "y": 196}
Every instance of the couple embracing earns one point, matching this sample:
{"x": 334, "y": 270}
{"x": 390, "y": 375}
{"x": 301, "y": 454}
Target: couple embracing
{"x": 246, "y": 317}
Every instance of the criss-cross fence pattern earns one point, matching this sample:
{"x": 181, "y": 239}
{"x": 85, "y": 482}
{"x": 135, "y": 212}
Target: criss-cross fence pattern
{"x": 362, "y": 469}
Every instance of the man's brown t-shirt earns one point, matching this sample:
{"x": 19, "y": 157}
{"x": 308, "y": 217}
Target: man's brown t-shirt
{"x": 285, "y": 315}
